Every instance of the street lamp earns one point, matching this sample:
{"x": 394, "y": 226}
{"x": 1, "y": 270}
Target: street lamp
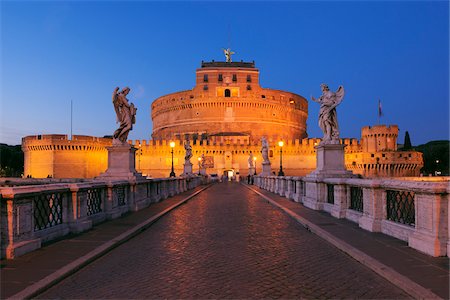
{"x": 281, "y": 173}
{"x": 254, "y": 162}
{"x": 139, "y": 153}
{"x": 199, "y": 162}
{"x": 437, "y": 172}
{"x": 172, "y": 145}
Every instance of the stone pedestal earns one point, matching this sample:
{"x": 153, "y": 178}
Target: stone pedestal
{"x": 330, "y": 161}
{"x": 187, "y": 168}
{"x": 251, "y": 171}
{"x": 121, "y": 163}
{"x": 266, "y": 169}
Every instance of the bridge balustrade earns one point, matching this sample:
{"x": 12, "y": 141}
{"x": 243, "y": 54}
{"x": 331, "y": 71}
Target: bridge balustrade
{"x": 415, "y": 210}
{"x": 32, "y": 215}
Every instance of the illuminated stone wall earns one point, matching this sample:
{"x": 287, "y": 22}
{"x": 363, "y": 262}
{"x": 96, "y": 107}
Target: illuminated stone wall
{"x": 58, "y": 157}
{"x": 87, "y": 157}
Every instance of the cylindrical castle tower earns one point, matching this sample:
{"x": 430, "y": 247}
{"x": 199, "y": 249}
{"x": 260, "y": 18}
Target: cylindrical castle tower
{"x": 228, "y": 99}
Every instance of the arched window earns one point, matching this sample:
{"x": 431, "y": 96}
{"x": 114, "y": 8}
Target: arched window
{"x": 227, "y": 93}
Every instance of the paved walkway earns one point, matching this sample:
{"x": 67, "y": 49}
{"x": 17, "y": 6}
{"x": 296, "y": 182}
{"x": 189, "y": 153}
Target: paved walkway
{"x": 227, "y": 242}
{"x": 387, "y": 254}
{"x": 34, "y": 270}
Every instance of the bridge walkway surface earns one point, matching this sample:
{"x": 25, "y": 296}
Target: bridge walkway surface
{"x": 226, "y": 242}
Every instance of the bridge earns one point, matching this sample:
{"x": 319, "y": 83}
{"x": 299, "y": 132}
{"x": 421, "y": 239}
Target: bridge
{"x": 179, "y": 238}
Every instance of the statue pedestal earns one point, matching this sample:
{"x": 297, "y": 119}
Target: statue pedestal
{"x": 330, "y": 162}
{"x": 266, "y": 169}
{"x": 121, "y": 163}
{"x": 187, "y": 168}
{"x": 251, "y": 171}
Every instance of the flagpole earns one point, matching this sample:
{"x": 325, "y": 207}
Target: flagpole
{"x": 71, "y": 118}
{"x": 379, "y": 111}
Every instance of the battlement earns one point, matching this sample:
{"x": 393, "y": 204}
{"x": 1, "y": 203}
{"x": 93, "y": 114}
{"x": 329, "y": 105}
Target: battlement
{"x": 379, "y": 129}
{"x": 64, "y": 137}
{"x": 223, "y": 64}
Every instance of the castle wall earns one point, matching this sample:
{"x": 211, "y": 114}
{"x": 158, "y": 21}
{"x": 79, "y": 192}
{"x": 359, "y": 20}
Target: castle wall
{"x": 86, "y": 158}
{"x": 58, "y": 157}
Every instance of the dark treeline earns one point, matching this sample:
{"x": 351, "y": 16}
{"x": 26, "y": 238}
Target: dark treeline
{"x": 11, "y": 161}
{"x": 435, "y": 157}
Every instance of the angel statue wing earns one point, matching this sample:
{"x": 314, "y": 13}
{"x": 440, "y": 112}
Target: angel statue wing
{"x": 115, "y": 102}
{"x": 339, "y": 95}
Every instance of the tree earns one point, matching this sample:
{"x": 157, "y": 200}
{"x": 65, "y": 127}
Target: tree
{"x": 407, "y": 143}
{"x": 11, "y": 161}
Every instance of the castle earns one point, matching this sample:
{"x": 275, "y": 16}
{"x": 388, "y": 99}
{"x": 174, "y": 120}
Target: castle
{"x": 224, "y": 116}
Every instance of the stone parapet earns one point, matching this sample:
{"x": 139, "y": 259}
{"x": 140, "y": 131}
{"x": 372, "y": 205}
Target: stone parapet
{"x": 414, "y": 210}
{"x": 32, "y": 215}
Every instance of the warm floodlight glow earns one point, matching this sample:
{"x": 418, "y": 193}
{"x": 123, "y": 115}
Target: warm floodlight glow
{"x": 280, "y": 143}
{"x": 254, "y": 158}
{"x": 172, "y": 144}
{"x": 199, "y": 159}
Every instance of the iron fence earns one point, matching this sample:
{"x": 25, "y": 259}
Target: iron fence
{"x": 330, "y": 193}
{"x": 356, "y": 198}
{"x": 400, "y": 207}
{"x": 48, "y": 210}
{"x": 94, "y": 201}
{"x": 119, "y": 194}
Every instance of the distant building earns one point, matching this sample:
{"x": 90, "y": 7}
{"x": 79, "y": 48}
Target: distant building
{"x": 224, "y": 116}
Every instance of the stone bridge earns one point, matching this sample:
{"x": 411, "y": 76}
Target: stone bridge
{"x": 284, "y": 237}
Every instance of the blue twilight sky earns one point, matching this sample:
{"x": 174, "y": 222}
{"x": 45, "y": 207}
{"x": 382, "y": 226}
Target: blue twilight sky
{"x": 53, "y": 52}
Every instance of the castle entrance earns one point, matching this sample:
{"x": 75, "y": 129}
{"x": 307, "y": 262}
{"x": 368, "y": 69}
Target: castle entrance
{"x": 229, "y": 175}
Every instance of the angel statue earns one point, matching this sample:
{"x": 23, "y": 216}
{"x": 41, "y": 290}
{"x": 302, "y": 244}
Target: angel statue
{"x": 228, "y": 54}
{"x": 327, "y": 114}
{"x": 188, "y": 148}
{"x": 203, "y": 162}
{"x": 126, "y": 115}
{"x": 265, "y": 150}
{"x": 250, "y": 160}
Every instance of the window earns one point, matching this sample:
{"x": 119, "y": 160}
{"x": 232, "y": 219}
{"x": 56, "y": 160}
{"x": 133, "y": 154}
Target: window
{"x": 227, "y": 93}
{"x": 249, "y": 87}
{"x": 263, "y": 96}
{"x": 234, "y": 78}
{"x": 372, "y": 155}
{"x": 220, "y": 77}
{"x": 205, "y": 87}
{"x": 249, "y": 78}
{"x": 205, "y": 78}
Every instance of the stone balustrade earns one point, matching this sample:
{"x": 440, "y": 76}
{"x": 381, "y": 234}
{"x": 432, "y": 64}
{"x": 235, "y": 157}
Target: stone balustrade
{"x": 415, "y": 210}
{"x": 32, "y": 215}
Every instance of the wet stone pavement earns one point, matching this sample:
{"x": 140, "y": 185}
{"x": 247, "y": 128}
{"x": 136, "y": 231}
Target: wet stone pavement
{"x": 227, "y": 242}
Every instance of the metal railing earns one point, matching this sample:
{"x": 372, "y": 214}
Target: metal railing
{"x": 94, "y": 201}
{"x": 47, "y": 210}
{"x": 330, "y": 193}
{"x": 400, "y": 207}
{"x": 356, "y": 198}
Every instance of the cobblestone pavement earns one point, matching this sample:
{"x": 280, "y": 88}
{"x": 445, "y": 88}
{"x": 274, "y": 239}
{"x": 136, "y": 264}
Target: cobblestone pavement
{"x": 227, "y": 242}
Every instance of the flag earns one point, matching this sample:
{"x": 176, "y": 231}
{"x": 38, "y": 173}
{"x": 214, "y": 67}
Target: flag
{"x": 380, "y": 112}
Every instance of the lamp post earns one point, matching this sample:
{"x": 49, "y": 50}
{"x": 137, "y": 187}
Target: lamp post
{"x": 281, "y": 173}
{"x": 139, "y": 159}
{"x": 437, "y": 172}
{"x": 172, "y": 145}
{"x": 199, "y": 162}
{"x": 254, "y": 162}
